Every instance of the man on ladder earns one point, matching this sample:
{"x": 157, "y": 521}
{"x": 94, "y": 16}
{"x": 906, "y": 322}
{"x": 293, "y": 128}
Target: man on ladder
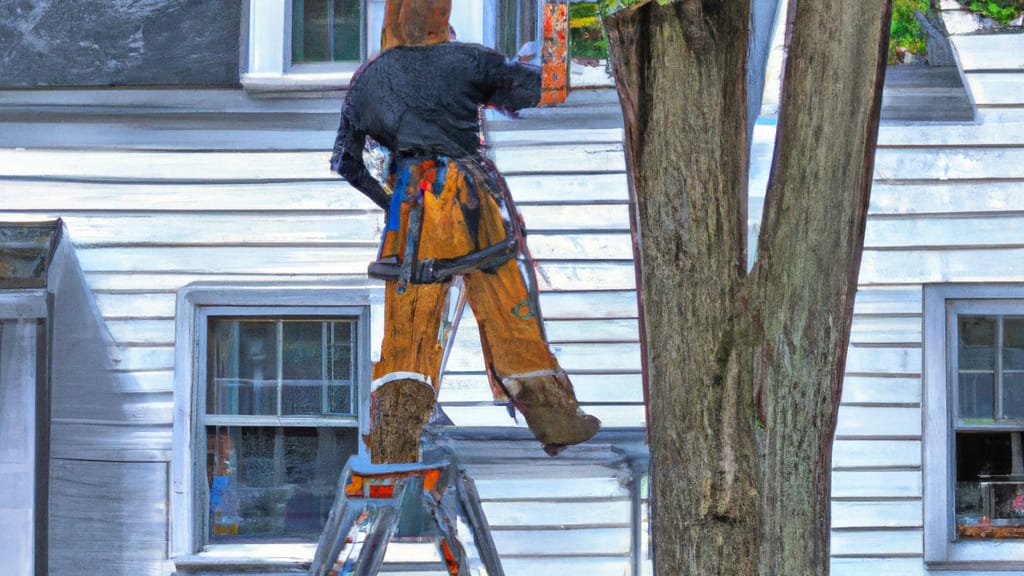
{"x": 449, "y": 215}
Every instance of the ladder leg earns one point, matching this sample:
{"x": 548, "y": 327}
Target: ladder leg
{"x": 469, "y": 501}
{"x": 371, "y": 556}
{"x": 453, "y": 554}
{"x": 332, "y": 540}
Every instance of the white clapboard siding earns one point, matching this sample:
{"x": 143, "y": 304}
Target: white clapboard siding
{"x": 565, "y": 188}
{"x": 592, "y": 356}
{"x": 885, "y": 330}
{"x": 990, "y": 51}
{"x": 169, "y": 281}
{"x": 258, "y": 166}
{"x": 906, "y": 266}
{"x": 895, "y": 566}
{"x": 880, "y": 421}
{"x": 473, "y": 387}
{"x": 112, "y": 197}
{"x": 946, "y": 198}
{"x": 325, "y": 260}
{"x": 525, "y": 514}
{"x": 877, "y": 543}
{"x": 887, "y": 300}
{"x": 155, "y": 331}
{"x": 591, "y": 566}
{"x": 878, "y": 514}
{"x": 954, "y": 163}
{"x": 875, "y": 484}
{"x": 488, "y": 415}
{"x": 145, "y": 358}
{"x": 918, "y": 231}
{"x": 883, "y": 360}
{"x": 881, "y": 389}
{"x": 583, "y": 541}
{"x": 876, "y": 453}
{"x": 1005, "y": 133}
{"x": 354, "y": 228}
{"x": 996, "y": 88}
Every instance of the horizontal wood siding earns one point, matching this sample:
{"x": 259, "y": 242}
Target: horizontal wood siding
{"x": 151, "y": 215}
{"x": 946, "y": 206}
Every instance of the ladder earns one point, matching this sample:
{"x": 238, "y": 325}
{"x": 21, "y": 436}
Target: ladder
{"x": 376, "y": 501}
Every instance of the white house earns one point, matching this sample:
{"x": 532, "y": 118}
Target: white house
{"x": 203, "y": 247}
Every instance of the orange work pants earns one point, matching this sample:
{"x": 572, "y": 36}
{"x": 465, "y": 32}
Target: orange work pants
{"x": 466, "y": 207}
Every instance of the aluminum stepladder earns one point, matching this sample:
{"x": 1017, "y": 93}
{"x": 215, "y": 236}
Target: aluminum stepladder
{"x": 419, "y": 499}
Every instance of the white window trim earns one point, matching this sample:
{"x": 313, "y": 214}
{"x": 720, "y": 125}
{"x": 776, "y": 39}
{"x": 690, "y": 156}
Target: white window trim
{"x": 941, "y": 550}
{"x": 194, "y": 303}
{"x": 267, "y": 66}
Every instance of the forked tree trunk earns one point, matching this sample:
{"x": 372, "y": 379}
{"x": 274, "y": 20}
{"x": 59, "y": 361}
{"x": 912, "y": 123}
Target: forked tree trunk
{"x": 745, "y": 371}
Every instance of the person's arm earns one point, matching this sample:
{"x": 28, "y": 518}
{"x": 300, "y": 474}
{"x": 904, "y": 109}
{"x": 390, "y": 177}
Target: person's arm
{"x": 347, "y": 160}
{"x": 513, "y": 85}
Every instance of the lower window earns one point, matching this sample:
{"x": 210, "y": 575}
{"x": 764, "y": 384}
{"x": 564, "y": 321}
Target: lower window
{"x": 989, "y": 420}
{"x": 280, "y": 420}
{"x": 974, "y": 426}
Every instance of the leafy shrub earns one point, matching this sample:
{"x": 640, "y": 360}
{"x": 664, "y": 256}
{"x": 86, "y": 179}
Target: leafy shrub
{"x": 905, "y": 31}
{"x": 1001, "y": 11}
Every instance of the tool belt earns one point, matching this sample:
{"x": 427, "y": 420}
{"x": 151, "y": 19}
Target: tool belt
{"x": 437, "y": 270}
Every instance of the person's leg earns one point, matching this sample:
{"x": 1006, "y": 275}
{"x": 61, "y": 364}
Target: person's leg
{"x": 406, "y": 377}
{"x": 519, "y": 361}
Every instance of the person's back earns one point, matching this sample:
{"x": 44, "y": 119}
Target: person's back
{"x": 425, "y": 99}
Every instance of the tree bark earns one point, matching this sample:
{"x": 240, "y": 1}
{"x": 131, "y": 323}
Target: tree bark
{"x": 744, "y": 371}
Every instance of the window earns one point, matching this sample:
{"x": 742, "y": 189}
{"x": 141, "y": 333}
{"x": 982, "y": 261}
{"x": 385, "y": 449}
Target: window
{"x": 270, "y": 389}
{"x": 308, "y": 44}
{"x": 327, "y": 31}
{"x": 974, "y": 398}
{"x": 280, "y": 422}
{"x": 518, "y": 28}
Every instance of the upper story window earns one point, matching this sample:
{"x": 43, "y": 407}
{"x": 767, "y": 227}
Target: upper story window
{"x": 308, "y": 44}
{"x": 974, "y": 424}
{"x": 327, "y": 31}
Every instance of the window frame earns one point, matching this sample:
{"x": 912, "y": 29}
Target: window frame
{"x": 942, "y": 304}
{"x": 196, "y": 305}
{"x": 267, "y": 64}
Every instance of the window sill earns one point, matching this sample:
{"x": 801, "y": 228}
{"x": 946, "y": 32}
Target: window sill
{"x": 262, "y": 83}
{"x": 990, "y": 555}
{"x": 278, "y": 558}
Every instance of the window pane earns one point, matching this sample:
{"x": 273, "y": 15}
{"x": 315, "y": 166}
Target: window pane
{"x": 243, "y": 367}
{"x": 1013, "y": 396}
{"x": 1013, "y": 344}
{"x": 310, "y": 38}
{"x": 346, "y": 30}
{"x": 326, "y": 30}
{"x": 977, "y": 343}
{"x": 517, "y": 29}
{"x": 988, "y": 497}
{"x": 340, "y": 392}
{"x": 302, "y": 367}
{"x": 273, "y": 482}
{"x": 976, "y": 399}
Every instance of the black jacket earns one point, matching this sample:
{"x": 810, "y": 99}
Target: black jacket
{"x": 424, "y": 101}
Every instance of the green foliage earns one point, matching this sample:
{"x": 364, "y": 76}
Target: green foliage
{"x": 586, "y": 34}
{"x": 1001, "y": 11}
{"x": 905, "y": 31}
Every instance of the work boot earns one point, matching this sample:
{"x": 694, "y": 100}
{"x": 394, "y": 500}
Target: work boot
{"x": 399, "y": 410}
{"x": 548, "y": 403}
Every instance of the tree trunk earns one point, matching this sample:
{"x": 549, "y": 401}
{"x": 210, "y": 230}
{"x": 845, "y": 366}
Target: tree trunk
{"x": 744, "y": 371}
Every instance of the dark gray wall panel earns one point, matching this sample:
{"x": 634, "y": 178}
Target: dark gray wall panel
{"x": 108, "y": 518}
{"x": 119, "y": 42}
